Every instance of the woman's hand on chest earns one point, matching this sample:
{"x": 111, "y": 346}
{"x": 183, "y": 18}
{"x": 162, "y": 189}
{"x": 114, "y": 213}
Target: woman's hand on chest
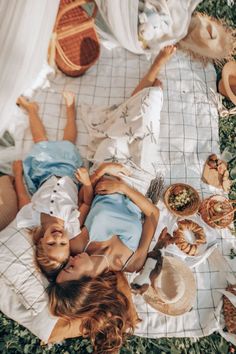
{"x": 109, "y": 186}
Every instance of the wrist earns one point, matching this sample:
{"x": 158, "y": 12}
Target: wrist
{"x": 100, "y": 172}
{"x": 124, "y": 188}
{"x": 87, "y": 184}
{"x": 18, "y": 175}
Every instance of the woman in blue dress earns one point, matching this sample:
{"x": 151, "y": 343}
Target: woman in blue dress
{"x": 115, "y": 237}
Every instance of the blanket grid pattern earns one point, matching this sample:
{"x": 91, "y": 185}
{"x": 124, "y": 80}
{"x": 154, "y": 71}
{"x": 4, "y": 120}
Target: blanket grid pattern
{"x": 188, "y": 134}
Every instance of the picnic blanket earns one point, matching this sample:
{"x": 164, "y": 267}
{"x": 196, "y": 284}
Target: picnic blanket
{"x": 188, "y": 134}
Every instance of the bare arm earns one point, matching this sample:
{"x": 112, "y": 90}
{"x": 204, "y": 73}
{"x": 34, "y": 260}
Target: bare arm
{"x": 107, "y": 186}
{"x": 109, "y": 168}
{"x": 139, "y": 257}
{"x": 21, "y": 192}
{"x": 150, "y": 211}
{"x": 85, "y": 193}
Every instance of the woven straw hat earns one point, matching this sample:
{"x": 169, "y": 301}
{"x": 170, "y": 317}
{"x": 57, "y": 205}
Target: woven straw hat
{"x": 227, "y": 85}
{"x": 209, "y": 39}
{"x": 175, "y": 288}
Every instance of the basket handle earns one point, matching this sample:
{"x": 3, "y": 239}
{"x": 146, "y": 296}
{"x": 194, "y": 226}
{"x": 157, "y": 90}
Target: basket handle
{"x": 223, "y": 216}
{"x": 71, "y": 6}
{"x": 54, "y": 43}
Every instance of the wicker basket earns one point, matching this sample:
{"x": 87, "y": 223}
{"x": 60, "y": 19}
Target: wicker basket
{"x": 191, "y": 208}
{"x": 217, "y": 211}
{"x": 229, "y": 311}
{"x": 75, "y": 44}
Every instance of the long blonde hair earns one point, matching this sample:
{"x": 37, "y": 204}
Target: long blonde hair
{"x": 104, "y": 310}
{"x": 49, "y": 267}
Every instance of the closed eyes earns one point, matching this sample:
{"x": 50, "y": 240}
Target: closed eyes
{"x": 53, "y": 243}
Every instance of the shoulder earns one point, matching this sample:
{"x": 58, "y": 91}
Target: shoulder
{"x": 28, "y": 216}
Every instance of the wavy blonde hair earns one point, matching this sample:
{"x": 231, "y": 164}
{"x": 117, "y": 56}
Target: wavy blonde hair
{"x": 49, "y": 267}
{"x": 104, "y": 310}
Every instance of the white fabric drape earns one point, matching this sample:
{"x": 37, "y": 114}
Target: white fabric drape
{"x": 121, "y": 17}
{"x": 26, "y": 26}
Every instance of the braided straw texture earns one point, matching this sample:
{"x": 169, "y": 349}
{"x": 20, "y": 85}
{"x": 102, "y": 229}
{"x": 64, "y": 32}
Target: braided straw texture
{"x": 229, "y": 311}
{"x": 77, "y": 44}
{"x": 217, "y": 211}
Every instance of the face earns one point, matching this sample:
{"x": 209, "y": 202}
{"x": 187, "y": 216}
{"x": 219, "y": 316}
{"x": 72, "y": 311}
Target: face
{"x": 78, "y": 266}
{"x": 56, "y": 243}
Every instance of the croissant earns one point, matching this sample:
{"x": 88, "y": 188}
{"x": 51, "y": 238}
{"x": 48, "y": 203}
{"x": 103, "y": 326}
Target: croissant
{"x": 179, "y": 237}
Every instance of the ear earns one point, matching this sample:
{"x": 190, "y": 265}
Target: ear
{"x": 138, "y": 289}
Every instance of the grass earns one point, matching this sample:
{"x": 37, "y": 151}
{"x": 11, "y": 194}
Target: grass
{"x": 18, "y": 340}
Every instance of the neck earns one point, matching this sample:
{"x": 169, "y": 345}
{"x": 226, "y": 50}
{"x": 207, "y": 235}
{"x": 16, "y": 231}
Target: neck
{"x": 101, "y": 263}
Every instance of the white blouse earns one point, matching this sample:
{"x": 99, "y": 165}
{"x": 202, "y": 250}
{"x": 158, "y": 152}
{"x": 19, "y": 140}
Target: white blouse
{"x": 57, "y": 197}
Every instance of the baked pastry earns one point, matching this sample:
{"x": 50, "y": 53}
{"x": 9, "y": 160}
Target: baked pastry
{"x": 179, "y": 238}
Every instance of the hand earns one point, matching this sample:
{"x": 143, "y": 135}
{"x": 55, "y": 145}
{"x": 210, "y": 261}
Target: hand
{"x": 82, "y": 176}
{"x": 17, "y": 168}
{"x": 109, "y": 186}
{"x": 137, "y": 262}
{"x": 115, "y": 169}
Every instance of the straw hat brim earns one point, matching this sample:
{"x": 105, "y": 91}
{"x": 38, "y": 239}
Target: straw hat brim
{"x": 209, "y": 39}
{"x": 185, "y": 303}
{"x": 227, "y": 85}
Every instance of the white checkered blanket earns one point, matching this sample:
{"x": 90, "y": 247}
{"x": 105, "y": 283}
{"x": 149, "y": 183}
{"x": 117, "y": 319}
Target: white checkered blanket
{"x": 188, "y": 134}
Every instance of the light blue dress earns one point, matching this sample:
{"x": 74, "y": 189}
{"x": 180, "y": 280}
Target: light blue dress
{"x": 50, "y": 158}
{"x": 114, "y": 214}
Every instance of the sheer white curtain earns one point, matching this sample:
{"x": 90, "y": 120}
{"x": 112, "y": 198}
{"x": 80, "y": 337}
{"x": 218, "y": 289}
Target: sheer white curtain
{"x": 25, "y": 29}
{"x": 121, "y": 17}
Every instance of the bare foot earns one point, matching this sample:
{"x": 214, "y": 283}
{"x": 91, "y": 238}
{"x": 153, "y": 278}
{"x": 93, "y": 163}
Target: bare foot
{"x": 26, "y": 105}
{"x": 164, "y": 55}
{"x": 69, "y": 98}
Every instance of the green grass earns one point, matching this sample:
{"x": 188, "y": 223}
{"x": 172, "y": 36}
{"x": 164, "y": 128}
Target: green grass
{"x": 18, "y": 340}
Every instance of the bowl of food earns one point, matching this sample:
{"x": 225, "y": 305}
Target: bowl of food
{"x": 182, "y": 199}
{"x": 217, "y": 211}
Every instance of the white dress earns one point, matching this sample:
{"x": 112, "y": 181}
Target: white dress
{"x": 127, "y": 134}
{"x": 56, "y": 197}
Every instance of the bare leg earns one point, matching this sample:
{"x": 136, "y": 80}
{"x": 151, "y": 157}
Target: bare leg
{"x": 150, "y": 78}
{"x": 70, "y": 130}
{"x": 36, "y": 125}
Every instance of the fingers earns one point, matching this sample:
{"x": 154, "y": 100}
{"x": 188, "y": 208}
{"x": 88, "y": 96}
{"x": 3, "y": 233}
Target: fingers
{"x": 17, "y": 167}
{"x": 125, "y": 171}
{"x": 17, "y": 164}
{"x": 102, "y": 192}
{"x": 82, "y": 170}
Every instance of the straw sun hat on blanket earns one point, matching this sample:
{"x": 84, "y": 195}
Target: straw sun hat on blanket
{"x": 227, "y": 84}
{"x": 209, "y": 39}
{"x": 175, "y": 288}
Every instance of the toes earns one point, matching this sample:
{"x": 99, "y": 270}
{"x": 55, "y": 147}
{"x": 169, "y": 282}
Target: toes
{"x": 22, "y": 101}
